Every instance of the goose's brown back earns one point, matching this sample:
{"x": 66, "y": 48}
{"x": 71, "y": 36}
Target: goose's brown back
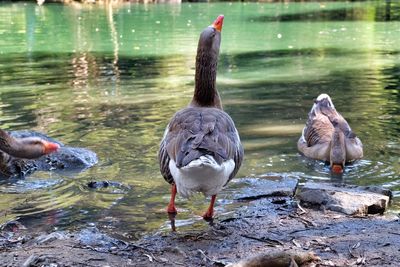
{"x": 321, "y": 124}
{"x": 318, "y": 130}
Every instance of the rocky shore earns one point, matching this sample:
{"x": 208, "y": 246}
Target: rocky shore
{"x": 278, "y": 224}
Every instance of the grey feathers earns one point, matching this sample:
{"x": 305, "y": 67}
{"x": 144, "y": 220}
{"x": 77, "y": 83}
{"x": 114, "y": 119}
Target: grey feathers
{"x": 194, "y": 132}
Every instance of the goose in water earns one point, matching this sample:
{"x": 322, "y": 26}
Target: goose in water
{"x": 327, "y": 136}
{"x": 14, "y": 151}
{"x": 201, "y": 149}
{"x": 25, "y": 148}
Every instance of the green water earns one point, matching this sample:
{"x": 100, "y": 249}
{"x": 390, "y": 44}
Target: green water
{"x": 109, "y": 78}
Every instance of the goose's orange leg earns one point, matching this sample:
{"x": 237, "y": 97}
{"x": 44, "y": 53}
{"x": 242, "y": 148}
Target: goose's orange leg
{"x": 171, "y": 206}
{"x": 210, "y": 211}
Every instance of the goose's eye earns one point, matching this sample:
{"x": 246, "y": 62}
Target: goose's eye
{"x": 213, "y": 32}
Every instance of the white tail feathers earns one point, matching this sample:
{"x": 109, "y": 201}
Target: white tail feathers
{"x": 322, "y": 96}
{"x": 203, "y": 175}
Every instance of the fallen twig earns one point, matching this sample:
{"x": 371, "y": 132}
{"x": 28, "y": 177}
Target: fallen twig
{"x": 96, "y": 259}
{"x": 152, "y": 257}
{"x": 211, "y": 260}
{"x": 301, "y": 208}
{"x": 305, "y": 221}
{"x": 269, "y": 241}
{"x": 309, "y": 229}
{"x": 178, "y": 263}
{"x": 204, "y": 255}
{"x": 149, "y": 257}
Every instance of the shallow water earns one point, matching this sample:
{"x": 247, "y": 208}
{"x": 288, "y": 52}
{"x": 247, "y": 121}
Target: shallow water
{"x": 109, "y": 79}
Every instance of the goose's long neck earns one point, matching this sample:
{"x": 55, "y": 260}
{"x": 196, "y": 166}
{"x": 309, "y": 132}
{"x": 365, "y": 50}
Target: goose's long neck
{"x": 9, "y": 144}
{"x": 338, "y": 149}
{"x": 205, "y": 92}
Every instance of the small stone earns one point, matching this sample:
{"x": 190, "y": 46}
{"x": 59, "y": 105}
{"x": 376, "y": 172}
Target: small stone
{"x": 163, "y": 260}
{"x": 32, "y": 260}
{"x": 50, "y": 237}
{"x": 176, "y": 250}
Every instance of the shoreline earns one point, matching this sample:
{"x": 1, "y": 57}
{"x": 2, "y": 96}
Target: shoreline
{"x": 262, "y": 226}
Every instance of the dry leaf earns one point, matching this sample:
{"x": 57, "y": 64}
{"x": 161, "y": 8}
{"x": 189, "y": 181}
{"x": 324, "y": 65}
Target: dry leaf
{"x": 356, "y": 245}
{"x": 360, "y": 261}
{"x": 150, "y": 257}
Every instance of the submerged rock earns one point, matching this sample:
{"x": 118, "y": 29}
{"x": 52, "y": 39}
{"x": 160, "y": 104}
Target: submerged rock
{"x": 93, "y": 238}
{"x": 66, "y": 158}
{"x": 351, "y": 200}
{"x": 103, "y": 184}
{"x": 12, "y": 226}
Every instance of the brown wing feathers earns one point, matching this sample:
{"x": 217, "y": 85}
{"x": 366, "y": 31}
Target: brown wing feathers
{"x": 322, "y": 122}
{"x": 163, "y": 160}
{"x": 318, "y": 130}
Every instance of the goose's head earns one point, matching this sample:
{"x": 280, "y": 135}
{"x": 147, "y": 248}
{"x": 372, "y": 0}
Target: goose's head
{"x": 33, "y": 147}
{"x": 209, "y": 42}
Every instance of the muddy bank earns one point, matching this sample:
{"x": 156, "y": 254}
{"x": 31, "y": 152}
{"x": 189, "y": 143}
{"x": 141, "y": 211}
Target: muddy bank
{"x": 262, "y": 226}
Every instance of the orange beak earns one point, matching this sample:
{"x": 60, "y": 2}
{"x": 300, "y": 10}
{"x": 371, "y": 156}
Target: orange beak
{"x": 337, "y": 169}
{"x": 217, "y": 24}
{"x": 50, "y": 147}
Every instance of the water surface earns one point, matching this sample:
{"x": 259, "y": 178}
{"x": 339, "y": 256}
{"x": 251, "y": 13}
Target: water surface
{"x": 109, "y": 78}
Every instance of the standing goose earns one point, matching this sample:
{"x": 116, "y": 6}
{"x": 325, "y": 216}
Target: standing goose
{"x": 327, "y": 136}
{"x": 201, "y": 149}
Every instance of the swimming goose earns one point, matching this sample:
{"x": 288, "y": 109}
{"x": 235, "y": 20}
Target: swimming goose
{"x": 201, "y": 149}
{"x": 14, "y": 152}
{"x": 327, "y": 136}
{"x": 25, "y": 148}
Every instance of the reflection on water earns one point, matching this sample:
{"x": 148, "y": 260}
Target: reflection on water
{"x": 109, "y": 78}
{"x": 386, "y": 11}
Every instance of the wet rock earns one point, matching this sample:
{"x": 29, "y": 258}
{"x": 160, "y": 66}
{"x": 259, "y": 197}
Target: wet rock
{"x": 66, "y": 158}
{"x": 11, "y": 234}
{"x": 12, "y": 226}
{"x": 268, "y": 186}
{"x": 375, "y": 189}
{"x": 45, "y": 238}
{"x": 351, "y": 200}
{"x": 93, "y": 238}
